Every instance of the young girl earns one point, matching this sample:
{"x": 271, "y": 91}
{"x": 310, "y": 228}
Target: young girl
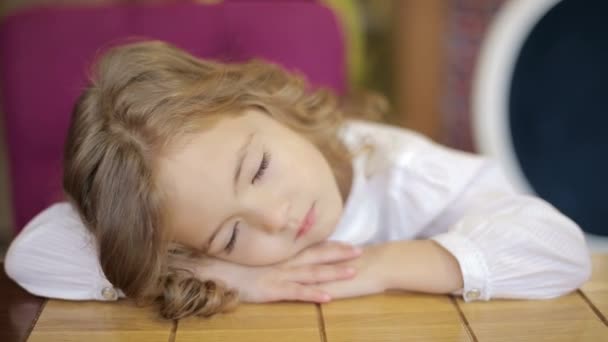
{"x": 195, "y": 184}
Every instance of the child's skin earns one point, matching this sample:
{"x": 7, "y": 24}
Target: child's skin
{"x": 281, "y": 177}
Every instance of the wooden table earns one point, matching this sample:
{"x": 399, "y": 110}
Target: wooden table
{"x": 397, "y": 316}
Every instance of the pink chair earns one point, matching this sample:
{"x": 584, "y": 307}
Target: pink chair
{"x": 44, "y": 54}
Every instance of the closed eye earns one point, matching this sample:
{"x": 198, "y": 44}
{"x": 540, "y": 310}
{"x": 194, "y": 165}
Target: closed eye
{"x": 235, "y": 231}
{"x": 263, "y": 166}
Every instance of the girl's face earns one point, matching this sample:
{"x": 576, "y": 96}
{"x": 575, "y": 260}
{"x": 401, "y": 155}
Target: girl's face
{"x": 250, "y": 190}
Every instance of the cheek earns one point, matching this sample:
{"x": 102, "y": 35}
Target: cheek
{"x": 298, "y": 170}
{"x": 265, "y": 250}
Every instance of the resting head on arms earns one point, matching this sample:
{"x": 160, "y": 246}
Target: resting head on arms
{"x": 170, "y": 157}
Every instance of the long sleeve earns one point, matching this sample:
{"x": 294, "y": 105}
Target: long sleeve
{"x": 508, "y": 245}
{"x": 55, "y": 256}
{"x": 511, "y": 245}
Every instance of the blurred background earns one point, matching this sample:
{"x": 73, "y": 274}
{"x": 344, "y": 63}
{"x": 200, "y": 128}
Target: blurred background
{"x": 421, "y": 54}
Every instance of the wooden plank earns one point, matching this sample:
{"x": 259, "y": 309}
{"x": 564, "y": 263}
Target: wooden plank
{"x": 99, "y": 321}
{"x": 596, "y": 289}
{"x": 255, "y": 322}
{"x": 565, "y": 318}
{"x": 18, "y": 310}
{"x": 394, "y": 316}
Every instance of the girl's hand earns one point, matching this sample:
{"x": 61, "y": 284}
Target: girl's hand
{"x": 373, "y": 273}
{"x": 410, "y": 265}
{"x": 294, "y": 279}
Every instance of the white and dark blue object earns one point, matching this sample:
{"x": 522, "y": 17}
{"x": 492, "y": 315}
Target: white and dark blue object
{"x": 540, "y": 103}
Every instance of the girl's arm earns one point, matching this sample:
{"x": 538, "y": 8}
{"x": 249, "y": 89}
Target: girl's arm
{"x": 418, "y": 265}
{"x": 498, "y": 244}
{"x": 55, "y": 256}
{"x": 511, "y": 245}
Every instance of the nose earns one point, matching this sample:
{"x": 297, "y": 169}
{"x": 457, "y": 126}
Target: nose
{"x": 271, "y": 218}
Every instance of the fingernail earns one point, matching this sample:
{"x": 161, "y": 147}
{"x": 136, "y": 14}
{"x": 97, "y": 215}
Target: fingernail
{"x": 350, "y": 270}
{"x": 357, "y": 250}
{"x": 325, "y": 298}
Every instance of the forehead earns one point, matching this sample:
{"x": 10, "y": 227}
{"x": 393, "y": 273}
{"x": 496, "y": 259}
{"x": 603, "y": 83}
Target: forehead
{"x": 211, "y": 143}
{"x": 196, "y": 173}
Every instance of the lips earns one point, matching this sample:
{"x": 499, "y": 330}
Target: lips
{"x": 307, "y": 222}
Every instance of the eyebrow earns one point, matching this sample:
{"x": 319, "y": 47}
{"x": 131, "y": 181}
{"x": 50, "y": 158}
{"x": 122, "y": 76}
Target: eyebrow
{"x": 242, "y": 152}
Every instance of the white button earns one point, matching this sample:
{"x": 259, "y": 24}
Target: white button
{"x": 473, "y": 294}
{"x": 109, "y": 293}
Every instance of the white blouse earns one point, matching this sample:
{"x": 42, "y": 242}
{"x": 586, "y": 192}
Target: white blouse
{"x": 508, "y": 245}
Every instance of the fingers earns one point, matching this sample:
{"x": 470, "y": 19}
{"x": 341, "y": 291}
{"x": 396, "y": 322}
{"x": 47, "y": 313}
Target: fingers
{"x": 306, "y": 294}
{"x": 345, "y": 289}
{"x": 315, "y": 274}
{"x": 327, "y": 252}
{"x": 286, "y": 292}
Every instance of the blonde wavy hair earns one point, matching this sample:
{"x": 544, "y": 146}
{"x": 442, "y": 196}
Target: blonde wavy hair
{"x": 141, "y": 98}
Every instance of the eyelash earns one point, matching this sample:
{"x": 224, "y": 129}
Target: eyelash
{"x": 263, "y": 167}
{"x": 258, "y": 175}
{"x": 230, "y": 244}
